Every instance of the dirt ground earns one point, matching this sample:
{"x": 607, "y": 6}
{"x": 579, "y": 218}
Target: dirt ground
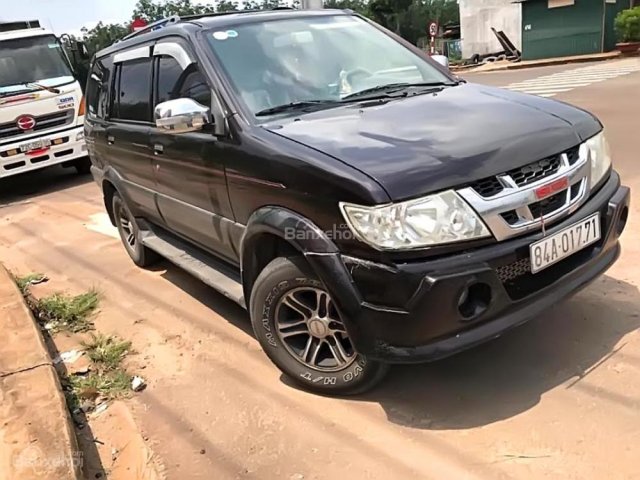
{"x": 556, "y": 398}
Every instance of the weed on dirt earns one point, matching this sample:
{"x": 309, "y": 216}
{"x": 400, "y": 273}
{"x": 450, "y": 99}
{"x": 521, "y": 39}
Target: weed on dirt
{"x": 24, "y": 282}
{"x": 106, "y": 380}
{"x": 62, "y": 312}
{"x": 106, "y": 351}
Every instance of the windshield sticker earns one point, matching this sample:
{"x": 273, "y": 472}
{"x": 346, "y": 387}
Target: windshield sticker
{"x": 232, "y": 33}
{"x": 220, "y": 35}
{"x": 65, "y": 102}
{"x": 53, "y": 45}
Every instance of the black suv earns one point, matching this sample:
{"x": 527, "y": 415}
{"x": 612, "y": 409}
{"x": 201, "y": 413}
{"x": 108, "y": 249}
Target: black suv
{"x": 366, "y": 206}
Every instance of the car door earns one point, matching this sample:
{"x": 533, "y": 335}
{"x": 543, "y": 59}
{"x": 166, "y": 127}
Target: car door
{"x": 97, "y": 103}
{"x": 128, "y": 128}
{"x": 189, "y": 167}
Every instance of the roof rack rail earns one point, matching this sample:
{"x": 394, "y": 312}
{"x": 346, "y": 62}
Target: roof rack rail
{"x": 176, "y": 18}
{"x": 160, "y": 23}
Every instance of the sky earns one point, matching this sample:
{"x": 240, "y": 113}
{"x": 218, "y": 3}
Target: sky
{"x": 67, "y": 16}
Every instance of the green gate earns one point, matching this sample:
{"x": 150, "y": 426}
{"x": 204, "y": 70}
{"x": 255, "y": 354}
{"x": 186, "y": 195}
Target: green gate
{"x": 561, "y": 31}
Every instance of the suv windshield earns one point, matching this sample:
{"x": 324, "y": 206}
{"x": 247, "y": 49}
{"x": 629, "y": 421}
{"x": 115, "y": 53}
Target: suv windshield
{"x": 315, "y": 59}
{"x": 32, "y": 59}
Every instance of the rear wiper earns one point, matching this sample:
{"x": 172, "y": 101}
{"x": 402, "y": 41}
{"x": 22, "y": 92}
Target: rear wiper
{"x": 39, "y": 86}
{"x": 287, "y": 107}
{"x": 390, "y": 88}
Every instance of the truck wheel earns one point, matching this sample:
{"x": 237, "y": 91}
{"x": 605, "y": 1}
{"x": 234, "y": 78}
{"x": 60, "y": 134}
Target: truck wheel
{"x": 83, "y": 166}
{"x": 130, "y": 234}
{"x": 300, "y": 329}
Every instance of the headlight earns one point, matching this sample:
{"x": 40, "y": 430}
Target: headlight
{"x": 600, "y": 158}
{"x": 423, "y": 222}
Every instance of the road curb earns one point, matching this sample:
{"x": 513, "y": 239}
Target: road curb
{"x": 37, "y": 440}
{"x": 488, "y": 68}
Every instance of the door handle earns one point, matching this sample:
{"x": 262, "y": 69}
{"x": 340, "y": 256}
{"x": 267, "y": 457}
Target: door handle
{"x": 111, "y": 139}
{"x": 158, "y": 149}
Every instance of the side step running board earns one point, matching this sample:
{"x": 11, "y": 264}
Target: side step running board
{"x": 201, "y": 265}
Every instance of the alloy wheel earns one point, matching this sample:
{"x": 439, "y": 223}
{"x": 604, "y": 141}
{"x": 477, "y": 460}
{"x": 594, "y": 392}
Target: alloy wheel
{"x": 309, "y": 325}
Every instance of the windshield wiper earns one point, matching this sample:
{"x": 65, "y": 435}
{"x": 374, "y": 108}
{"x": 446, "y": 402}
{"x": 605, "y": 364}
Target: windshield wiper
{"x": 288, "y": 107}
{"x": 390, "y": 88}
{"x": 39, "y": 86}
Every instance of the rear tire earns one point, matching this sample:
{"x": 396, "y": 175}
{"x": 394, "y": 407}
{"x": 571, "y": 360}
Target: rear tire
{"x": 130, "y": 234}
{"x": 300, "y": 330}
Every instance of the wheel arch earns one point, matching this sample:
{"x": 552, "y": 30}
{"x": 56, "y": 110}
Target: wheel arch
{"x": 110, "y": 184}
{"x": 277, "y": 231}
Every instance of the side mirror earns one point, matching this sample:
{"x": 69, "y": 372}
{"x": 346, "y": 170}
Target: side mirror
{"x": 181, "y": 115}
{"x": 442, "y": 60}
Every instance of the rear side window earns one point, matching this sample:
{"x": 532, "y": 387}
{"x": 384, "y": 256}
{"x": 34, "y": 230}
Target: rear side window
{"x": 98, "y": 87}
{"x": 174, "y": 82}
{"x": 133, "y": 93}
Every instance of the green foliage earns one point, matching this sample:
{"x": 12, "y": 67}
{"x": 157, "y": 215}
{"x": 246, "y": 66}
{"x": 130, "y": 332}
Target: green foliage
{"x": 106, "y": 351}
{"x": 627, "y": 25}
{"x": 152, "y": 11}
{"x": 62, "y": 312}
{"x": 25, "y": 281}
{"x": 102, "y": 36}
{"x": 408, "y": 18}
{"x": 109, "y": 384}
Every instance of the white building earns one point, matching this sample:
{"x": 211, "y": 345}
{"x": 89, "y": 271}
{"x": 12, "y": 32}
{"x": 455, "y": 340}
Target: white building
{"x": 478, "y": 16}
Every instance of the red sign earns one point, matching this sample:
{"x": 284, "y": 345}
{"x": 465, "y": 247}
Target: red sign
{"x": 26, "y": 122}
{"x": 551, "y": 188}
{"x": 138, "y": 24}
{"x": 433, "y": 29}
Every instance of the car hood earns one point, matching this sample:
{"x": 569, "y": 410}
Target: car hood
{"x": 429, "y": 142}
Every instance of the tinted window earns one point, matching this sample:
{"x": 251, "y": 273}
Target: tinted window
{"x": 173, "y": 82}
{"x": 135, "y": 90}
{"x": 98, "y": 87}
{"x": 195, "y": 86}
{"x": 169, "y": 72}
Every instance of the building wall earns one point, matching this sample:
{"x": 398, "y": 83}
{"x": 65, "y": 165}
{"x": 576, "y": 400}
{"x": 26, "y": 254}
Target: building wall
{"x": 478, "y": 16}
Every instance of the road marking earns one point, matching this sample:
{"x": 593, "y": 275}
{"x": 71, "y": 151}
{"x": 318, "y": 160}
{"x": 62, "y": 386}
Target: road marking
{"x": 550, "y": 85}
{"x": 100, "y": 223}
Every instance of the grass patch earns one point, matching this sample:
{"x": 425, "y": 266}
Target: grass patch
{"x": 106, "y": 351}
{"x": 107, "y": 385}
{"x": 25, "y": 281}
{"x": 63, "y": 312}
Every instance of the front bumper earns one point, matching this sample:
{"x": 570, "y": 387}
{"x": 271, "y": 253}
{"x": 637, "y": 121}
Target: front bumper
{"x": 64, "y": 147}
{"x": 410, "y": 312}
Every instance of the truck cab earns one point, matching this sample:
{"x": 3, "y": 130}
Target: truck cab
{"x": 41, "y": 102}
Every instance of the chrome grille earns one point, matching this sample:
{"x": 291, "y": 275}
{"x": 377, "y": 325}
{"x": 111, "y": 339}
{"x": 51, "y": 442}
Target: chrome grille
{"x": 517, "y": 207}
{"x": 43, "y": 122}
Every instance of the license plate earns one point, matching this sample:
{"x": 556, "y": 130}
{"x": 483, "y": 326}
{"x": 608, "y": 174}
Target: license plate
{"x": 554, "y": 248}
{"x": 35, "y": 145}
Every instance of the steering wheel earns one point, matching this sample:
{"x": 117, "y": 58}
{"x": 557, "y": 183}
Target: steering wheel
{"x": 352, "y": 75}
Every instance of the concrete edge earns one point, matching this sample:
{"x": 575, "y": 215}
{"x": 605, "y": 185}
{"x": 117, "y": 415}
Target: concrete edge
{"x": 540, "y": 63}
{"x": 63, "y": 455}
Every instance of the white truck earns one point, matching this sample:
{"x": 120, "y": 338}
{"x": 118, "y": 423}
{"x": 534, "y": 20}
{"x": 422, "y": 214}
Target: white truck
{"x": 41, "y": 102}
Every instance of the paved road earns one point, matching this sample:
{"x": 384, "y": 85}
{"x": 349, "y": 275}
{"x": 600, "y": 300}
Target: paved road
{"x": 556, "y": 398}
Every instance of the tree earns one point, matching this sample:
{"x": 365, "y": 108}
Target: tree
{"x": 152, "y": 11}
{"x": 102, "y": 36}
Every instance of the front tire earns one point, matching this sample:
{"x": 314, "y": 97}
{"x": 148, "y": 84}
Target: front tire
{"x": 300, "y": 330}
{"x": 130, "y": 234}
{"x": 83, "y": 166}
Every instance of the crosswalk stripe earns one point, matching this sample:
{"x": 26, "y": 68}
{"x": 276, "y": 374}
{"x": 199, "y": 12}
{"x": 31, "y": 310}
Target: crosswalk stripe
{"x": 551, "y": 85}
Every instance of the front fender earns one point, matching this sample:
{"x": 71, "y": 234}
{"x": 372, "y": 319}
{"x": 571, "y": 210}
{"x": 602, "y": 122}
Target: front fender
{"x": 311, "y": 242}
